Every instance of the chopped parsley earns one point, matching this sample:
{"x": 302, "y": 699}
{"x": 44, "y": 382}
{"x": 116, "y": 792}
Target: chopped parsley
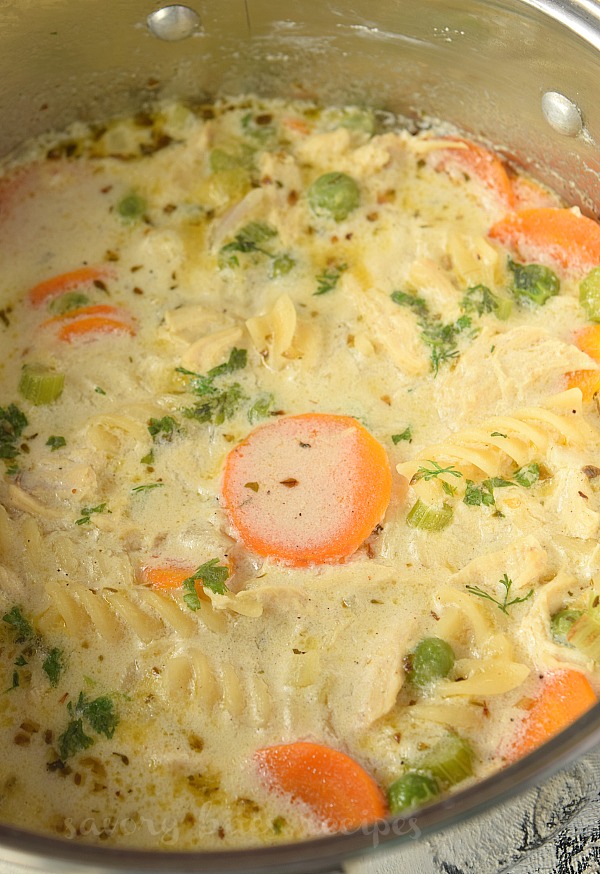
{"x": 99, "y": 714}
{"x": 53, "y": 665}
{"x": 56, "y": 443}
{"x": 250, "y": 240}
{"x": 12, "y": 424}
{"x": 328, "y": 279}
{"x": 405, "y": 435}
{"x": 261, "y": 407}
{"x": 87, "y": 512}
{"x": 211, "y": 575}
{"x": 505, "y": 603}
{"x": 20, "y": 624}
{"x": 215, "y": 403}
{"x": 483, "y": 493}
{"x": 73, "y": 739}
{"x": 147, "y": 487}
{"x": 162, "y": 429}
{"x": 441, "y": 338}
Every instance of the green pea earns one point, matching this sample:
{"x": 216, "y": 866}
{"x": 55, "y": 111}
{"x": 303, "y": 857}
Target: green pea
{"x": 589, "y": 294}
{"x": 561, "y": 623}
{"x": 411, "y": 790}
{"x": 131, "y": 207}
{"x": 431, "y": 659}
{"x": 335, "y": 195}
{"x": 533, "y": 282}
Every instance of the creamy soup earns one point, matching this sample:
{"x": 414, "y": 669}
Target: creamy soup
{"x": 299, "y": 500}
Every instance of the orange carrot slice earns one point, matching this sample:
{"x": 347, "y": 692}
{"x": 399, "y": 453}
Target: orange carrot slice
{"x": 165, "y": 577}
{"x": 564, "y": 697}
{"x": 529, "y": 194}
{"x": 480, "y": 163}
{"x": 333, "y": 786}
{"x": 558, "y": 235}
{"x": 588, "y": 340}
{"x": 586, "y": 380}
{"x": 95, "y": 310}
{"x": 297, "y": 125}
{"x": 88, "y": 327}
{"x": 57, "y": 285}
{"x": 307, "y": 489}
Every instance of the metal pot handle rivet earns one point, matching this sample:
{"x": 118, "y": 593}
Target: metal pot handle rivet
{"x": 173, "y": 23}
{"x": 562, "y": 114}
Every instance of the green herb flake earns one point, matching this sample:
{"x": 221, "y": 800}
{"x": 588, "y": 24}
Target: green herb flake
{"x": 87, "y": 512}
{"x": 99, "y": 712}
{"x": 73, "y": 740}
{"x": 54, "y": 665}
{"x": 527, "y": 475}
{"x": 56, "y": 443}
{"x": 435, "y": 471}
{"x": 19, "y": 624}
{"x": 505, "y": 603}
{"x": 16, "y": 682}
{"x": 147, "y": 487}
{"x": 99, "y": 391}
{"x": 261, "y": 407}
{"x": 211, "y": 575}
{"x": 249, "y": 239}
{"x": 163, "y": 429}
{"x": 412, "y": 301}
{"x": 216, "y": 404}
{"x": 12, "y": 424}
{"x": 405, "y": 435}
{"x": 328, "y": 279}
{"x": 498, "y": 434}
{"x": 148, "y": 458}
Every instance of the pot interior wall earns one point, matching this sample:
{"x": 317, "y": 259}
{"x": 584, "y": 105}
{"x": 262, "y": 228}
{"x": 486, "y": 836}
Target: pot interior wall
{"x": 484, "y": 66}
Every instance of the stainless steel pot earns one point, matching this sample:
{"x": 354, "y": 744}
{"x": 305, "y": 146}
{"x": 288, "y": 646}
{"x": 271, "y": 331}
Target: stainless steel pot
{"x": 519, "y": 73}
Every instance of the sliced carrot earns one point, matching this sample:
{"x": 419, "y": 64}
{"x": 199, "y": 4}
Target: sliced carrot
{"x": 550, "y": 234}
{"x": 529, "y": 194}
{"x": 57, "y": 285}
{"x": 564, "y": 697}
{"x": 166, "y": 576}
{"x": 588, "y": 340}
{"x": 334, "y": 787}
{"x": 297, "y": 125}
{"x": 586, "y": 380}
{"x": 307, "y": 489}
{"x": 480, "y": 163}
{"x": 87, "y": 327}
{"x": 103, "y": 309}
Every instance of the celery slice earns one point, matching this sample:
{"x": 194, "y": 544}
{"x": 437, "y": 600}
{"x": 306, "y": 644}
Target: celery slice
{"x": 584, "y": 635}
{"x": 449, "y": 762}
{"x": 40, "y": 385}
{"x": 589, "y": 294}
{"x": 562, "y": 622}
{"x": 504, "y": 308}
{"x": 429, "y": 518}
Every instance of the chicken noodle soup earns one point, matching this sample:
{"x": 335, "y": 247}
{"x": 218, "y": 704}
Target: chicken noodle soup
{"x": 300, "y": 473}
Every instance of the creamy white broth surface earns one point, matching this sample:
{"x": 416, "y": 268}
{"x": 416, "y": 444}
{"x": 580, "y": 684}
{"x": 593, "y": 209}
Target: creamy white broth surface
{"x": 131, "y": 712}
